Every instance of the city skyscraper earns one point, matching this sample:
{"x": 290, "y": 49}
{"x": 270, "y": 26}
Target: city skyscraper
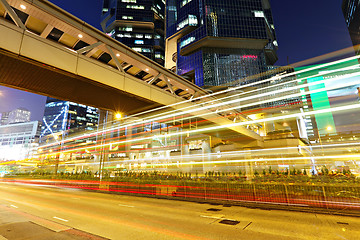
{"x": 19, "y": 115}
{"x": 4, "y": 118}
{"x": 351, "y": 11}
{"x": 138, "y": 24}
{"x": 18, "y": 140}
{"x": 60, "y": 116}
{"x": 217, "y": 42}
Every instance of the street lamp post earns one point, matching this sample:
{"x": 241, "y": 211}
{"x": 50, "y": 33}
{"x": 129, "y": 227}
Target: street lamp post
{"x": 328, "y": 128}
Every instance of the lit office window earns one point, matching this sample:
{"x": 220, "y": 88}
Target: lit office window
{"x": 139, "y": 41}
{"x": 127, "y": 17}
{"x": 135, "y": 6}
{"x": 191, "y": 20}
{"x": 127, "y": 29}
{"x": 259, "y": 14}
{"x": 187, "y": 41}
{"x": 160, "y": 56}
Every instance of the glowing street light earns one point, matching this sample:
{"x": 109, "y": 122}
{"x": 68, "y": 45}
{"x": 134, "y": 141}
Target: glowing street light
{"x": 329, "y": 128}
{"x": 118, "y": 116}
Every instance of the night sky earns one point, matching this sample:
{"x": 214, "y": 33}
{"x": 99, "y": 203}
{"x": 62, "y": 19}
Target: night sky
{"x": 305, "y": 29}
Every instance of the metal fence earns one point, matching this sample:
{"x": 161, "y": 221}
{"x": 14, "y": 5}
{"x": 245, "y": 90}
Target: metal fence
{"x": 342, "y": 197}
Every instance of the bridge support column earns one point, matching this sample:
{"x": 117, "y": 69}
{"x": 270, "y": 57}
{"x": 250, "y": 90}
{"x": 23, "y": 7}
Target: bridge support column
{"x": 249, "y": 167}
{"x": 206, "y": 152}
{"x": 105, "y": 118}
{"x": 185, "y": 155}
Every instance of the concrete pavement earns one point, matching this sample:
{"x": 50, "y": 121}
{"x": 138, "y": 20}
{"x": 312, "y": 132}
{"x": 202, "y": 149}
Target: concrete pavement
{"x": 15, "y": 224}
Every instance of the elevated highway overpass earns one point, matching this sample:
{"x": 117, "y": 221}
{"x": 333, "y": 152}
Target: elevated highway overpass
{"x": 45, "y": 50}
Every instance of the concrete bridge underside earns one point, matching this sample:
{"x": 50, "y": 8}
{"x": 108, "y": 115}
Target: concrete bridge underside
{"x": 28, "y": 75}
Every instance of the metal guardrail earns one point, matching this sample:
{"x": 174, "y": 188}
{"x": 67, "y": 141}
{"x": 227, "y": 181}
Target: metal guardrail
{"x": 344, "y": 199}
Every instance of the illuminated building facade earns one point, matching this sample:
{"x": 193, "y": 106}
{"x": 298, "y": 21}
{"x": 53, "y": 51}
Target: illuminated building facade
{"x": 217, "y": 42}
{"x": 351, "y": 11}
{"x": 18, "y": 115}
{"x": 60, "y": 116}
{"x": 4, "y": 118}
{"x": 327, "y": 93}
{"x": 17, "y": 140}
{"x": 138, "y": 24}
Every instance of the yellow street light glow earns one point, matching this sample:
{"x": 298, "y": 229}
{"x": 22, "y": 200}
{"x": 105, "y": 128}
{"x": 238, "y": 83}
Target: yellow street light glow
{"x": 329, "y": 128}
{"x": 118, "y": 115}
{"x": 118, "y": 55}
{"x": 80, "y": 35}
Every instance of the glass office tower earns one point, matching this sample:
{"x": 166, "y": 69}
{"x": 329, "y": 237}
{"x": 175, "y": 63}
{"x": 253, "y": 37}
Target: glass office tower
{"x": 138, "y": 24}
{"x": 60, "y": 116}
{"x": 351, "y": 11}
{"x": 214, "y": 42}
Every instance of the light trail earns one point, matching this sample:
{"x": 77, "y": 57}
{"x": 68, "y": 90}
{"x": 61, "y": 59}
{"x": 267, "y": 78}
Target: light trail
{"x": 225, "y": 103}
{"x": 291, "y": 159}
{"x": 289, "y": 116}
{"x": 264, "y": 88}
{"x": 259, "y": 82}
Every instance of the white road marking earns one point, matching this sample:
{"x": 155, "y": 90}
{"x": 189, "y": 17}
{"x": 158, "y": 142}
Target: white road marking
{"x": 61, "y": 219}
{"x": 210, "y": 217}
{"x": 13, "y": 206}
{"x": 123, "y": 205}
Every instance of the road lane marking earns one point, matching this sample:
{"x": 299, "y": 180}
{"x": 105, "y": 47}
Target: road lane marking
{"x": 61, "y": 219}
{"x": 211, "y": 217}
{"x": 13, "y": 206}
{"x": 123, "y": 205}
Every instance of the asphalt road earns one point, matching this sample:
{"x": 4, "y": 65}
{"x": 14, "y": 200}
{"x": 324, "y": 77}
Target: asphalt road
{"x": 126, "y": 217}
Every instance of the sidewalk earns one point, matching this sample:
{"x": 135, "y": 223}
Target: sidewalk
{"x": 15, "y": 225}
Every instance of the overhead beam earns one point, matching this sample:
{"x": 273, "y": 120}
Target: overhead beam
{"x": 13, "y": 14}
{"x": 46, "y": 31}
{"x": 88, "y": 48}
{"x": 154, "y": 79}
{"x": 116, "y": 60}
{"x": 169, "y": 85}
